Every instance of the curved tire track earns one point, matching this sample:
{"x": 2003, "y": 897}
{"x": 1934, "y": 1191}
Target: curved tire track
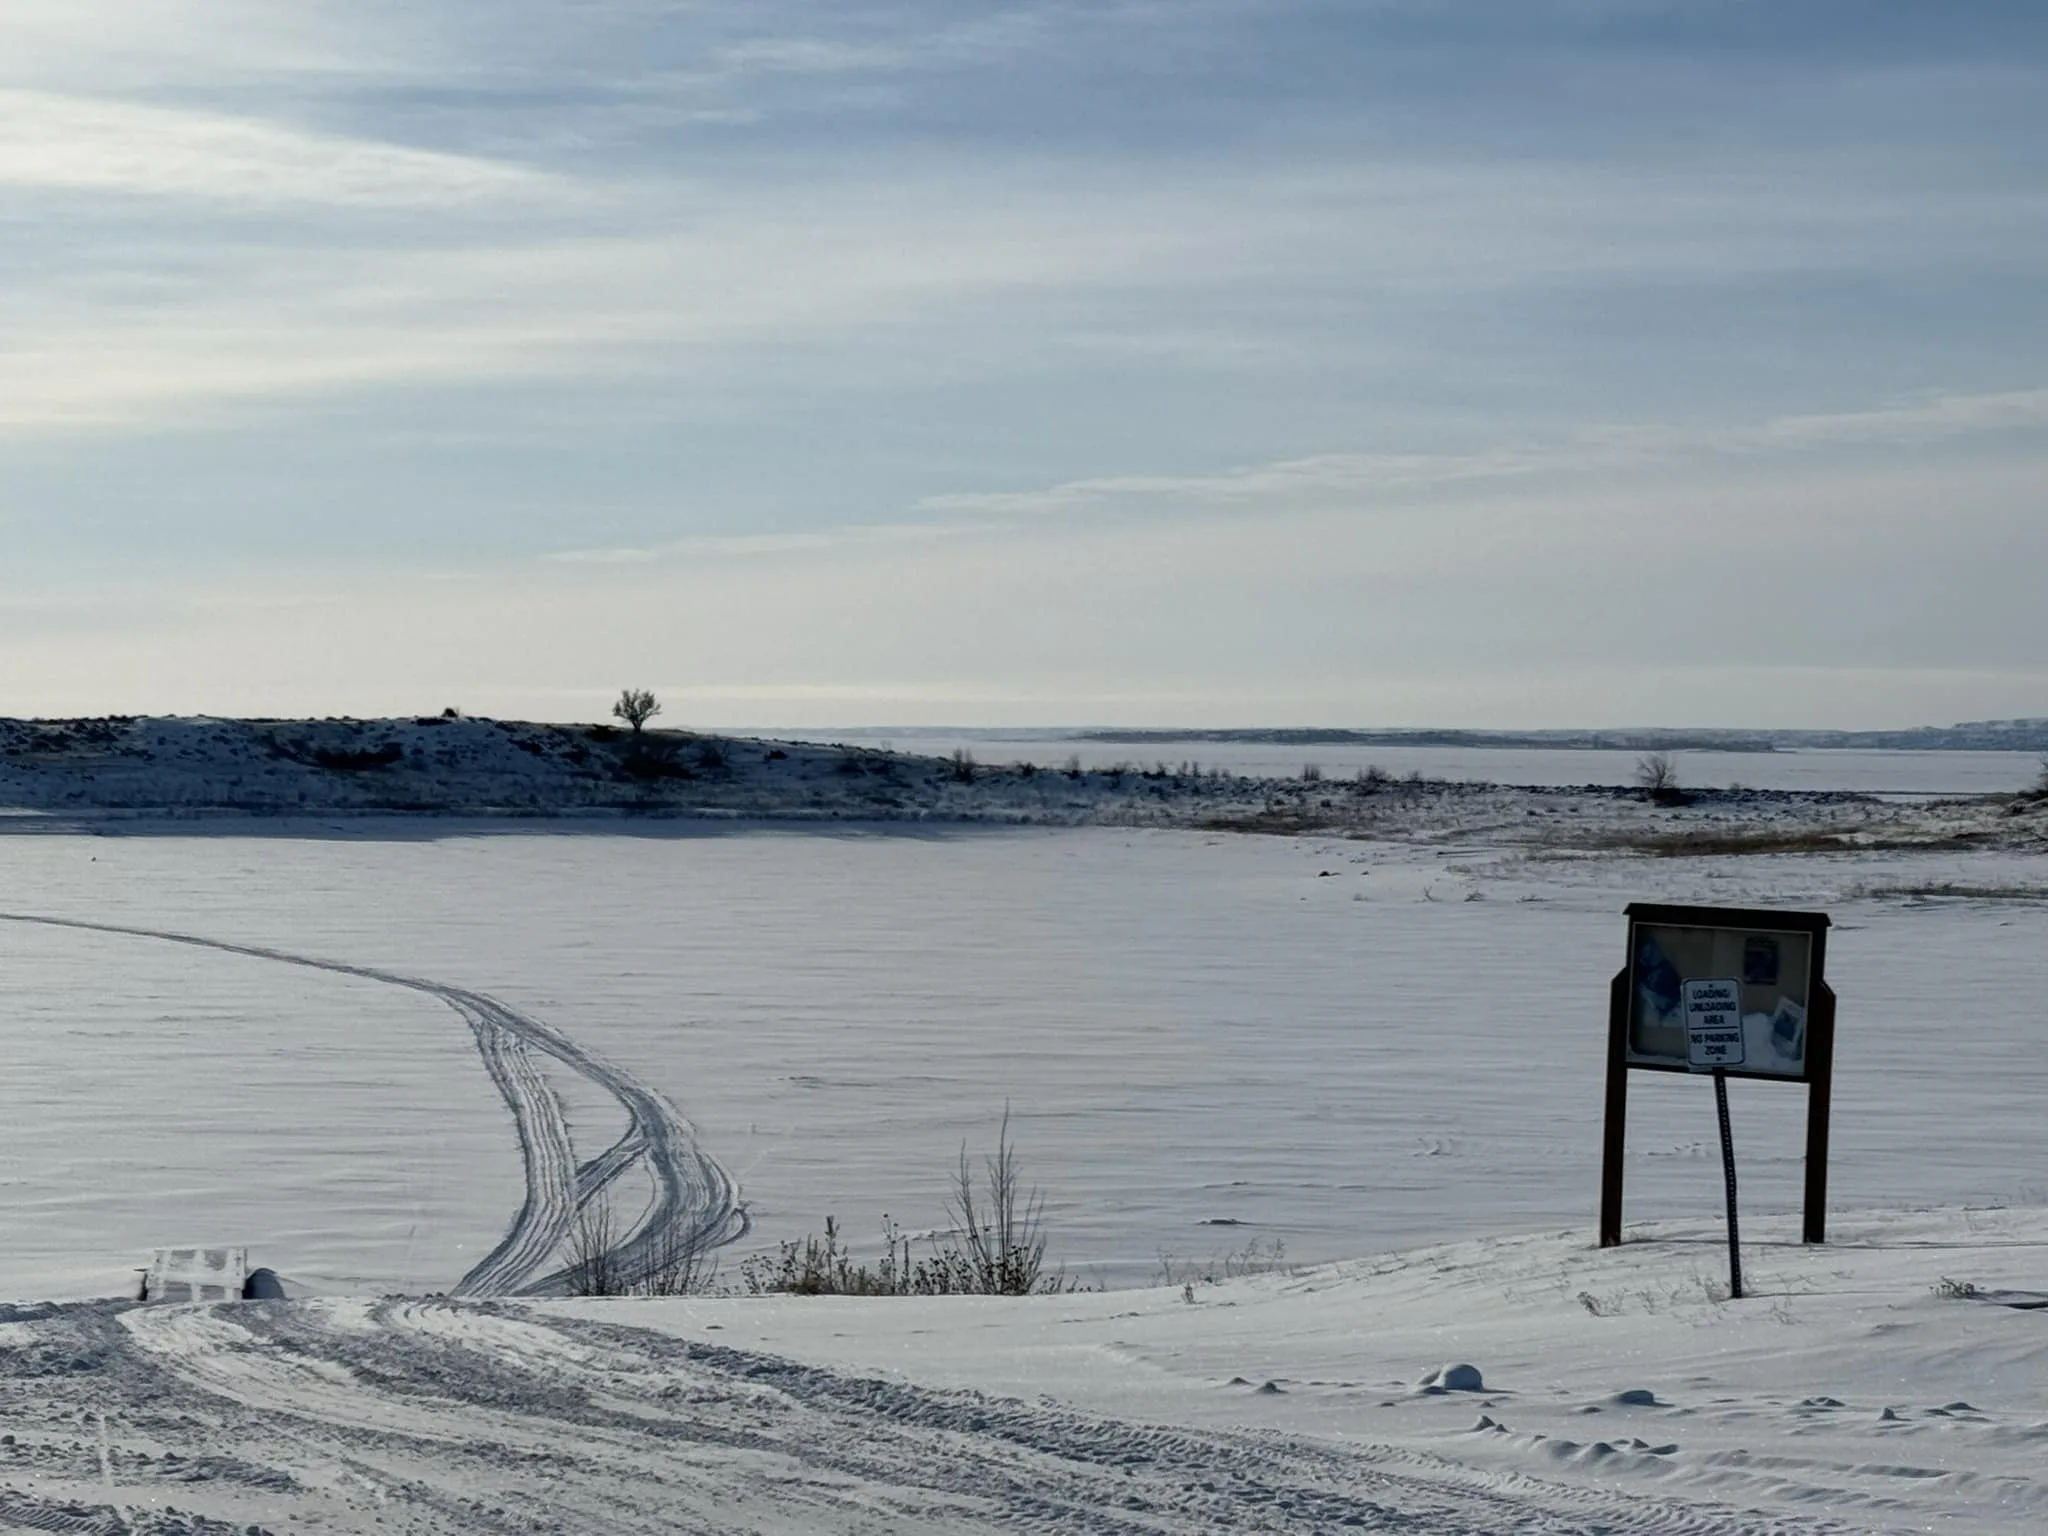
{"x": 450, "y": 1417}
{"x": 696, "y": 1203}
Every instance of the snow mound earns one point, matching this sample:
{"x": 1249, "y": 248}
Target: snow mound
{"x": 1453, "y": 1378}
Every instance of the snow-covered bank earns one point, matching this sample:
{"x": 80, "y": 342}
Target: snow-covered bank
{"x": 245, "y": 774}
{"x": 1855, "y": 1393}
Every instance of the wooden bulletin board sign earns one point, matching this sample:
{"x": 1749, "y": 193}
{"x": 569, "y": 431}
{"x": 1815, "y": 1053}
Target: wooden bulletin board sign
{"x": 1727, "y": 991}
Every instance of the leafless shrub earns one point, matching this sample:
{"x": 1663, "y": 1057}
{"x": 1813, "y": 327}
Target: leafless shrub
{"x": 1311, "y": 773}
{"x": 1000, "y": 1230}
{"x": 1657, "y": 777}
{"x": 636, "y": 706}
{"x": 677, "y": 1264}
{"x": 960, "y": 766}
{"x": 680, "y": 1265}
{"x": 995, "y": 1247}
{"x": 1259, "y": 1256}
{"x": 594, "y": 1268}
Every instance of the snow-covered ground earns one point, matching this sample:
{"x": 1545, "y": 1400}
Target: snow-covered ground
{"x": 403, "y": 1050}
{"x": 1862, "y": 1389}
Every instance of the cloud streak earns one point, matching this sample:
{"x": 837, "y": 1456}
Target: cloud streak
{"x": 1364, "y": 478}
{"x": 83, "y": 144}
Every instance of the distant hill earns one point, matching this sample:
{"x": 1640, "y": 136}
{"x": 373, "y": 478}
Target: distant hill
{"x": 2028, "y": 735}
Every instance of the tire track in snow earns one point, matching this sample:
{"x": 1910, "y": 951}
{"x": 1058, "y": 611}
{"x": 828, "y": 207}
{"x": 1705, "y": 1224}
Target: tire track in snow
{"x": 474, "y": 1417}
{"x": 696, "y": 1203}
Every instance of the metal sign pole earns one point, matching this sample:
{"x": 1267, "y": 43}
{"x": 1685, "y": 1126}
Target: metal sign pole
{"x": 1728, "y": 1168}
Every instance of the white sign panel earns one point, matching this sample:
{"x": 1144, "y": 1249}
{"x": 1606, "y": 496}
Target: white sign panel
{"x": 1713, "y": 1023}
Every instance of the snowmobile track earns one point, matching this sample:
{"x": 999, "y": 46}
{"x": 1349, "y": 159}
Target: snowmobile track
{"x": 696, "y": 1203}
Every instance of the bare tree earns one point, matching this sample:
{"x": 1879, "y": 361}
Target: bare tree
{"x": 1657, "y": 774}
{"x": 636, "y": 707}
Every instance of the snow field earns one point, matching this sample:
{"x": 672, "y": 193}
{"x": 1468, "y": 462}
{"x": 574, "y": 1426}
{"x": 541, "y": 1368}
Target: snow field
{"x": 1849, "y": 1391}
{"x": 1857, "y": 1392}
{"x": 1206, "y": 1040}
{"x": 1385, "y": 1057}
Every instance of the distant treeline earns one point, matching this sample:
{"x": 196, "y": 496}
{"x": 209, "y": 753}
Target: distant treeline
{"x": 1976, "y": 736}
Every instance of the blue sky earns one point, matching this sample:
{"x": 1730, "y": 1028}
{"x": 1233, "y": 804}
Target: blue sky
{"x": 1538, "y": 363}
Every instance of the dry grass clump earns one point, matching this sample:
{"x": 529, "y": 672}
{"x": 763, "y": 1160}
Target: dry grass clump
{"x": 995, "y": 1245}
{"x": 1953, "y": 890}
{"x": 1707, "y": 844}
{"x": 675, "y": 1266}
{"x": 1734, "y": 842}
{"x": 1287, "y": 822}
{"x": 1259, "y": 1256}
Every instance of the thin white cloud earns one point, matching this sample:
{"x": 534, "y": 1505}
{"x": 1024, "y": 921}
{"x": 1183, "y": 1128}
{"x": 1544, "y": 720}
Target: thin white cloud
{"x": 606, "y": 279}
{"x": 1933, "y": 418}
{"x": 743, "y": 545}
{"x": 257, "y": 323}
{"x": 1358, "y": 478}
{"x": 1324, "y": 477}
{"x": 79, "y": 143}
{"x": 1339, "y": 481}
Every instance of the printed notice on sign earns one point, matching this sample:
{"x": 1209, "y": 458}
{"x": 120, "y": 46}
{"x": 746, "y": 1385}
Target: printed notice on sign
{"x": 1713, "y": 1023}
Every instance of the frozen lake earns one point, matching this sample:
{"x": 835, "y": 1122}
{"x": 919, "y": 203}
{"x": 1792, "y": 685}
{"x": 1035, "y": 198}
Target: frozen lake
{"x": 1866, "y": 772}
{"x": 1205, "y": 1039}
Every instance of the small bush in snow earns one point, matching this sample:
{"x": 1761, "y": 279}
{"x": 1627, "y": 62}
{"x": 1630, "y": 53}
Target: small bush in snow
{"x": 672, "y": 1266}
{"x": 994, "y": 1247}
{"x": 1259, "y": 1256}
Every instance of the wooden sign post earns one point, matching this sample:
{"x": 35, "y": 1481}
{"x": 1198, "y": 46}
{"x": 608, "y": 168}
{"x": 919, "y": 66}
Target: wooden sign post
{"x": 1729, "y": 992}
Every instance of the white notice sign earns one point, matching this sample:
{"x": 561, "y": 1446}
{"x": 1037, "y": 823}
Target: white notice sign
{"x": 1713, "y": 1023}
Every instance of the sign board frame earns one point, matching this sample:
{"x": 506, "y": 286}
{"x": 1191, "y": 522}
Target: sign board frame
{"x": 1749, "y": 946}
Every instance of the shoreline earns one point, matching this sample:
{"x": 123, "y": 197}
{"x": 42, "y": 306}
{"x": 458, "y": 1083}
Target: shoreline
{"x": 254, "y": 777}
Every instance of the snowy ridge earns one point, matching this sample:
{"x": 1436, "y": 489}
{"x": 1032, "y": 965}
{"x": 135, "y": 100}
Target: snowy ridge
{"x": 696, "y": 1205}
{"x": 86, "y": 771}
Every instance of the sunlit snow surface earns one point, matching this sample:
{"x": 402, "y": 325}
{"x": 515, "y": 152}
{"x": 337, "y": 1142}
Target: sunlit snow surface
{"x": 1348, "y": 1047}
